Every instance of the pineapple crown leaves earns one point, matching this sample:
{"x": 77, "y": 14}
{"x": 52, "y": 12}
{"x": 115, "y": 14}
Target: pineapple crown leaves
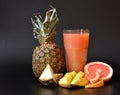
{"x": 45, "y": 30}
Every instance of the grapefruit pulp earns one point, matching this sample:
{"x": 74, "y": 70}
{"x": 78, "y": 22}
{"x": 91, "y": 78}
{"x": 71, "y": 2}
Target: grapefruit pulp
{"x": 98, "y": 71}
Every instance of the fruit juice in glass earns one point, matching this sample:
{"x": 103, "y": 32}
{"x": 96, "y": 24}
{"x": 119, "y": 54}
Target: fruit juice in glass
{"x": 76, "y": 47}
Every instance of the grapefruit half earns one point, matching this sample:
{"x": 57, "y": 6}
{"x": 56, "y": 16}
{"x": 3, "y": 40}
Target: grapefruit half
{"x": 98, "y": 71}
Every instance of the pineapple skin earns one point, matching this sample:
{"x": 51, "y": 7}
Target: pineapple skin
{"x": 48, "y": 54}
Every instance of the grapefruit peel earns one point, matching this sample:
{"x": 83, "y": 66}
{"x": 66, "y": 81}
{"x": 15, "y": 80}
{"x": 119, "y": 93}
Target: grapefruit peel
{"x": 95, "y": 85}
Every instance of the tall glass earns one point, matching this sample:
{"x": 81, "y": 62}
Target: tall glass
{"x": 76, "y": 46}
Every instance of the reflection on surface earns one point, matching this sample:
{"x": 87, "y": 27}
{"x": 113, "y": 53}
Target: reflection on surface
{"x": 22, "y": 82}
{"x": 105, "y": 90}
{"x": 56, "y": 90}
{"x": 39, "y": 89}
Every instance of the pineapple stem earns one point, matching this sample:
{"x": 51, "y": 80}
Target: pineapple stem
{"x": 45, "y": 30}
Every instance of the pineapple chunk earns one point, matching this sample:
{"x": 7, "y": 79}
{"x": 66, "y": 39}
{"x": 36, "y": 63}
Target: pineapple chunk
{"x": 73, "y": 79}
{"x": 66, "y": 80}
{"x": 79, "y": 79}
{"x": 58, "y": 76}
{"x": 47, "y": 75}
{"x": 70, "y": 74}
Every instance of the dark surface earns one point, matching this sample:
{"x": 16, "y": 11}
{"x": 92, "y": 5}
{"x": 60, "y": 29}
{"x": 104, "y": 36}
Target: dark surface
{"x": 17, "y": 81}
{"x": 102, "y": 17}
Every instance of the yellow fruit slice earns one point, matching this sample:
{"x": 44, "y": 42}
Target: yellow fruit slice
{"x": 64, "y": 80}
{"x": 95, "y": 85}
{"x": 70, "y": 74}
{"x": 67, "y": 78}
{"x": 47, "y": 74}
{"x": 79, "y": 79}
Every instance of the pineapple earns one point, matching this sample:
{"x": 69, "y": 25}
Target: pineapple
{"x": 48, "y": 52}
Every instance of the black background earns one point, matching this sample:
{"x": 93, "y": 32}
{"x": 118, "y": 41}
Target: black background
{"x": 17, "y": 43}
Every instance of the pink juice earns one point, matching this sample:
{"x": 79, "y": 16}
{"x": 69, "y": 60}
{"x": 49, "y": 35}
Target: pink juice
{"x": 76, "y": 46}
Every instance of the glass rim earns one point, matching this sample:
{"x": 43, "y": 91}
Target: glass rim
{"x": 76, "y": 31}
